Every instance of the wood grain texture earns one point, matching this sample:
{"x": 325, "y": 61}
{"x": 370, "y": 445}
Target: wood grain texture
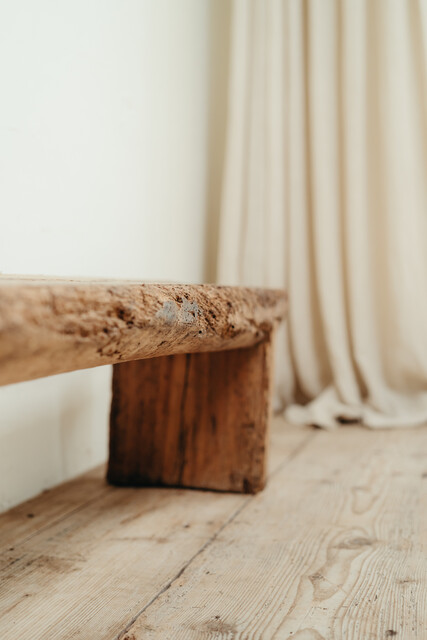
{"x": 53, "y": 326}
{"x": 102, "y": 560}
{"x": 32, "y": 516}
{"x": 197, "y": 420}
{"x": 335, "y": 548}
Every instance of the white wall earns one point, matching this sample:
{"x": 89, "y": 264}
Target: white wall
{"x": 103, "y": 171}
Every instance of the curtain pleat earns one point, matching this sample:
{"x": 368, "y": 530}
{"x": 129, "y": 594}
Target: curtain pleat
{"x": 325, "y": 194}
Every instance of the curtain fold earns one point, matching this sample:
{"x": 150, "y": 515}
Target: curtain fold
{"x": 325, "y": 194}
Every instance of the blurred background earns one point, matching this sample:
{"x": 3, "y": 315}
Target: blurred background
{"x": 263, "y": 142}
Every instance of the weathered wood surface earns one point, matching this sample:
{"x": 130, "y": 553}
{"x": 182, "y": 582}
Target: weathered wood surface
{"x": 53, "y": 326}
{"x": 196, "y": 420}
{"x": 29, "y": 518}
{"x": 106, "y": 553}
{"x": 335, "y": 548}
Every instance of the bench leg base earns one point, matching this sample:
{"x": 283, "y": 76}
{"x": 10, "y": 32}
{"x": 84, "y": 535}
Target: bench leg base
{"x": 193, "y": 420}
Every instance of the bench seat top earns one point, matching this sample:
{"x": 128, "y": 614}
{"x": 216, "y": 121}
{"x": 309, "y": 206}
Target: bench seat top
{"x": 54, "y": 325}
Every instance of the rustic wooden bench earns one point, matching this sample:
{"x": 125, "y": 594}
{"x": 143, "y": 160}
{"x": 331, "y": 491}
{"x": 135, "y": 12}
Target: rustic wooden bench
{"x": 191, "y": 378}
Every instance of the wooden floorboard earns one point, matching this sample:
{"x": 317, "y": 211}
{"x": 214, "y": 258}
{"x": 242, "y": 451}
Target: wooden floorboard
{"x": 334, "y": 548}
{"x": 27, "y": 519}
{"x": 85, "y": 560}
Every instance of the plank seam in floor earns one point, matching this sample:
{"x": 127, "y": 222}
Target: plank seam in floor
{"x": 183, "y": 568}
{"x": 168, "y": 585}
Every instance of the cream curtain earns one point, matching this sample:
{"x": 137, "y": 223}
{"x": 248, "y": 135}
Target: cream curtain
{"x": 325, "y": 193}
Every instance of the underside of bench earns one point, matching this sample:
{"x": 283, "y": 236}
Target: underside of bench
{"x": 192, "y": 370}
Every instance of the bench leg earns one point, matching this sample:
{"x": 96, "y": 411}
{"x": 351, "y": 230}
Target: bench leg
{"x": 193, "y": 420}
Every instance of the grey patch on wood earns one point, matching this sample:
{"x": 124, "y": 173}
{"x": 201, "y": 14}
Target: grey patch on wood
{"x": 189, "y": 311}
{"x": 171, "y": 312}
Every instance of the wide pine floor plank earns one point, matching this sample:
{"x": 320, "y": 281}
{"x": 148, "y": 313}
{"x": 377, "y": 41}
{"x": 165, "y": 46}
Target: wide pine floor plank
{"x": 28, "y": 518}
{"x": 91, "y": 558}
{"x": 334, "y": 548}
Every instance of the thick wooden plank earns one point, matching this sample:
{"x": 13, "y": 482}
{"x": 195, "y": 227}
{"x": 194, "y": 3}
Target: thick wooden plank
{"x": 196, "y": 420}
{"x": 334, "y": 548}
{"x": 53, "y": 326}
{"x": 92, "y": 571}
